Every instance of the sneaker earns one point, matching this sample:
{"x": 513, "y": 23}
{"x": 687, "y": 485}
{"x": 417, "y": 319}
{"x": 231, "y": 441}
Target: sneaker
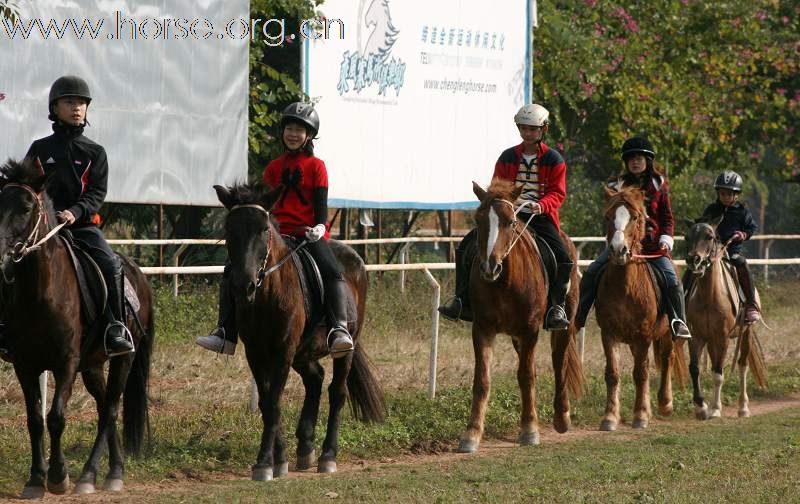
{"x": 216, "y": 342}
{"x": 341, "y": 344}
{"x": 680, "y": 330}
{"x": 751, "y": 314}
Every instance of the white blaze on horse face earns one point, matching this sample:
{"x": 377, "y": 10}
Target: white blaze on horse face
{"x": 621, "y": 219}
{"x": 494, "y": 229}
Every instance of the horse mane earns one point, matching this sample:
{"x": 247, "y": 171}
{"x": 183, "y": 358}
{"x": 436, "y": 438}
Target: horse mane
{"x": 631, "y": 196}
{"x": 248, "y": 194}
{"x": 24, "y": 172}
{"x": 499, "y": 189}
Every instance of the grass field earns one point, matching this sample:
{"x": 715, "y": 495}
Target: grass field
{"x": 204, "y": 439}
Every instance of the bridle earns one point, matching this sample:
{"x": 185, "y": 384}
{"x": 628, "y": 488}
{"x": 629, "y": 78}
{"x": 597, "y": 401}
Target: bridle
{"x": 715, "y": 255}
{"x": 515, "y": 223}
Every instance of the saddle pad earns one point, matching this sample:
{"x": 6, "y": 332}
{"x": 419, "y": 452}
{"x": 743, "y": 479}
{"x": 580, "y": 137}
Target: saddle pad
{"x": 91, "y": 284}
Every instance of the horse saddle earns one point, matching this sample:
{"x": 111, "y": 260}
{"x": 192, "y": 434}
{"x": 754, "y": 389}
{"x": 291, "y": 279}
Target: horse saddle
{"x": 546, "y": 258}
{"x": 310, "y": 282}
{"x": 91, "y": 284}
{"x": 734, "y": 289}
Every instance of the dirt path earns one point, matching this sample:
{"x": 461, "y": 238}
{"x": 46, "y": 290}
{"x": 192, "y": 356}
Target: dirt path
{"x": 187, "y": 485}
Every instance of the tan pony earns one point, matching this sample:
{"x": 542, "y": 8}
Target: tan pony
{"x": 627, "y": 312}
{"x": 509, "y": 295}
{"x": 714, "y": 313}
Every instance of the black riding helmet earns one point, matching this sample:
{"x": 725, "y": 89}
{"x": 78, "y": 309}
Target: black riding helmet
{"x": 729, "y": 179}
{"x": 302, "y": 113}
{"x": 637, "y": 145}
{"x": 68, "y": 85}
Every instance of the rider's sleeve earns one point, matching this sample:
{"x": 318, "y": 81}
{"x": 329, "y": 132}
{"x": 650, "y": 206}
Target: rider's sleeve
{"x": 94, "y": 182}
{"x": 750, "y": 225}
{"x": 555, "y": 187}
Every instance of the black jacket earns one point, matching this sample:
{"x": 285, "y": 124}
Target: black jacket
{"x": 736, "y": 218}
{"x": 81, "y": 178}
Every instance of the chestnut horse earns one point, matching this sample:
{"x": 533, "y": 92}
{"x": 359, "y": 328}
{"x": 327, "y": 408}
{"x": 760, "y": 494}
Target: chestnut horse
{"x": 627, "y": 312}
{"x": 714, "y": 313}
{"x": 45, "y": 326}
{"x": 271, "y": 318}
{"x": 509, "y": 295}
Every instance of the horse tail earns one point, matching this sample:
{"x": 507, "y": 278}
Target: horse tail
{"x": 573, "y": 369}
{"x": 135, "y": 415}
{"x": 755, "y": 357}
{"x": 363, "y": 390}
{"x": 678, "y": 363}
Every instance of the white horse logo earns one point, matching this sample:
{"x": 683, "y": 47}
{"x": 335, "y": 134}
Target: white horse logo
{"x": 384, "y": 34}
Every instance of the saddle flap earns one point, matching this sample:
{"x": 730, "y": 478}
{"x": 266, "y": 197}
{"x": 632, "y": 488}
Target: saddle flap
{"x": 546, "y": 258}
{"x": 310, "y": 282}
{"x": 91, "y": 284}
{"x": 659, "y": 283}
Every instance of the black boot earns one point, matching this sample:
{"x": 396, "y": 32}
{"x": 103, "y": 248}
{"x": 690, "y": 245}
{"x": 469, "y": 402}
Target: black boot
{"x": 677, "y": 312}
{"x": 339, "y": 340}
{"x": 458, "y": 307}
{"x": 118, "y": 340}
{"x": 5, "y": 353}
{"x": 751, "y": 314}
{"x": 587, "y": 296}
{"x": 557, "y": 316}
{"x": 224, "y": 337}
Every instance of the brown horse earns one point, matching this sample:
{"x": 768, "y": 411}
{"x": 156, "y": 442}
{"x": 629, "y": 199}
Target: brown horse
{"x": 627, "y": 312}
{"x": 271, "y": 318}
{"x": 509, "y": 295}
{"x": 45, "y": 327}
{"x": 715, "y": 316}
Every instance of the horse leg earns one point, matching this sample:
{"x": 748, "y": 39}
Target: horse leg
{"x": 95, "y": 384}
{"x": 716, "y": 352}
{"x": 665, "y": 384}
{"x": 34, "y": 488}
{"x": 641, "y": 380}
{"x": 560, "y": 341}
{"x": 611, "y": 417}
{"x": 696, "y": 348}
{"x": 526, "y": 378}
{"x": 118, "y": 371}
{"x": 57, "y": 477}
{"x": 337, "y": 394}
{"x": 270, "y": 388}
{"x": 313, "y": 375}
{"x": 744, "y": 352}
{"x": 481, "y": 386}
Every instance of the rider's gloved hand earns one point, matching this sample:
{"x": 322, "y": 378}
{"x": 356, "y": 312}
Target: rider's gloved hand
{"x": 738, "y": 236}
{"x": 315, "y": 233}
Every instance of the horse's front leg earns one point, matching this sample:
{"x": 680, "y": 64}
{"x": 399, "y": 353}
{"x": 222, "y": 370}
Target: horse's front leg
{"x": 526, "y": 378}
{"x": 34, "y": 488}
{"x": 57, "y": 477}
{"x": 696, "y": 347}
{"x": 641, "y": 380}
{"x": 337, "y": 394}
{"x": 665, "y": 384}
{"x": 482, "y": 341}
{"x": 95, "y": 383}
{"x": 744, "y": 352}
{"x": 716, "y": 352}
{"x": 270, "y": 387}
{"x": 313, "y": 374}
{"x": 611, "y": 417}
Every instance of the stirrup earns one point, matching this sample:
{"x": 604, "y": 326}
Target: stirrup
{"x": 125, "y": 332}
{"x": 447, "y": 310}
{"x": 556, "y": 310}
{"x": 341, "y": 345}
{"x": 675, "y": 334}
{"x": 216, "y": 342}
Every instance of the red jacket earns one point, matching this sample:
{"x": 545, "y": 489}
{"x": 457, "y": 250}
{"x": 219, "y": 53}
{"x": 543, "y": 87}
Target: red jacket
{"x": 301, "y": 174}
{"x": 660, "y": 224}
{"x": 552, "y": 176}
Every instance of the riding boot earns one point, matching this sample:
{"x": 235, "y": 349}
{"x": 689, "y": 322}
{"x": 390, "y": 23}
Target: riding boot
{"x": 751, "y": 313}
{"x": 459, "y": 307}
{"x": 677, "y": 312}
{"x": 556, "y": 318}
{"x": 5, "y": 353}
{"x": 118, "y": 340}
{"x": 339, "y": 340}
{"x": 587, "y": 295}
{"x": 223, "y": 338}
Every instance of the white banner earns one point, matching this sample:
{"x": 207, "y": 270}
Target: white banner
{"x": 169, "y": 83}
{"x": 416, "y": 97}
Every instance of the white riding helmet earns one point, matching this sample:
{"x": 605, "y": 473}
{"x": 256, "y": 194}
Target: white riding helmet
{"x": 532, "y": 115}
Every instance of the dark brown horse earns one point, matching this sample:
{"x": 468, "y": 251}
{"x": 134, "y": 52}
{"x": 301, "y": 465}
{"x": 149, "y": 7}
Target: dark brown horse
{"x": 45, "y": 327}
{"x": 627, "y": 312}
{"x": 715, "y": 316}
{"x": 271, "y": 318}
{"x": 509, "y": 295}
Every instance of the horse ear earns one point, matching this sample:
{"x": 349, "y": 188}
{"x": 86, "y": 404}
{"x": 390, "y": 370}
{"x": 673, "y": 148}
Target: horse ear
{"x": 609, "y": 192}
{"x": 516, "y": 192}
{"x": 225, "y": 197}
{"x": 46, "y": 181}
{"x": 716, "y": 222}
{"x": 269, "y": 199}
{"x": 478, "y": 190}
{"x": 688, "y": 223}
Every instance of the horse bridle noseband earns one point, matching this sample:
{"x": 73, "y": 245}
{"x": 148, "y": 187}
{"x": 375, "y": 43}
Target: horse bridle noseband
{"x": 30, "y": 244}
{"x": 515, "y": 223}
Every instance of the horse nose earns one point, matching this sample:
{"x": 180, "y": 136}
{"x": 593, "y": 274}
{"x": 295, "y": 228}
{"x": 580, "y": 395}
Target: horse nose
{"x": 497, "y": 269}
{"x": 624, "y": 250}
{"x": 250, "y": 290}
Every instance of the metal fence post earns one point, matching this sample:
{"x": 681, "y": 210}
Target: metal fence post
{"x": 434, "y": 333}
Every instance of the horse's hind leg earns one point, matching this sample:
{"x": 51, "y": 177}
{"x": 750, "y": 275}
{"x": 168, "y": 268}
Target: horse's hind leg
{"x": 481, "y": 386}
{"x": 34, "y": 488}
{"x": 744, "y": 351}
{"x": 696, "y": 347}
{"x": 313, "y": 375}
{"x": 57, "y": 477}
{"x": 95, "y": 384}
{"x": 611, "y": 417}
{"x": 641, "y": 379}
{"x": 526, "y": 378}
{"x": 337, "y": 393}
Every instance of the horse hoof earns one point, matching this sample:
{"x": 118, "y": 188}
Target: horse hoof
{"x": 306, "y": 461}
{"x": 326, "y": 466}
{"x": 665, "y": 410}
{"x": 744, "y": 413}
{"x": 608, "y": 425}
{"x": 562, "y": 424}
{"x": 83, "y": 489}
{"x": 262, "y": 474}
{"x": 715, "y": 413}
{"x": 701, "y": 413}
{"x": 639, "y": 423}
{"x": 467, "y": 446}
{"x": 280, "y": 470}
{"x": 528, "y": 439}
{"x": 58, "y": 488}
{"x": 112, "y": 485}
{"x": 32, "y": 492}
